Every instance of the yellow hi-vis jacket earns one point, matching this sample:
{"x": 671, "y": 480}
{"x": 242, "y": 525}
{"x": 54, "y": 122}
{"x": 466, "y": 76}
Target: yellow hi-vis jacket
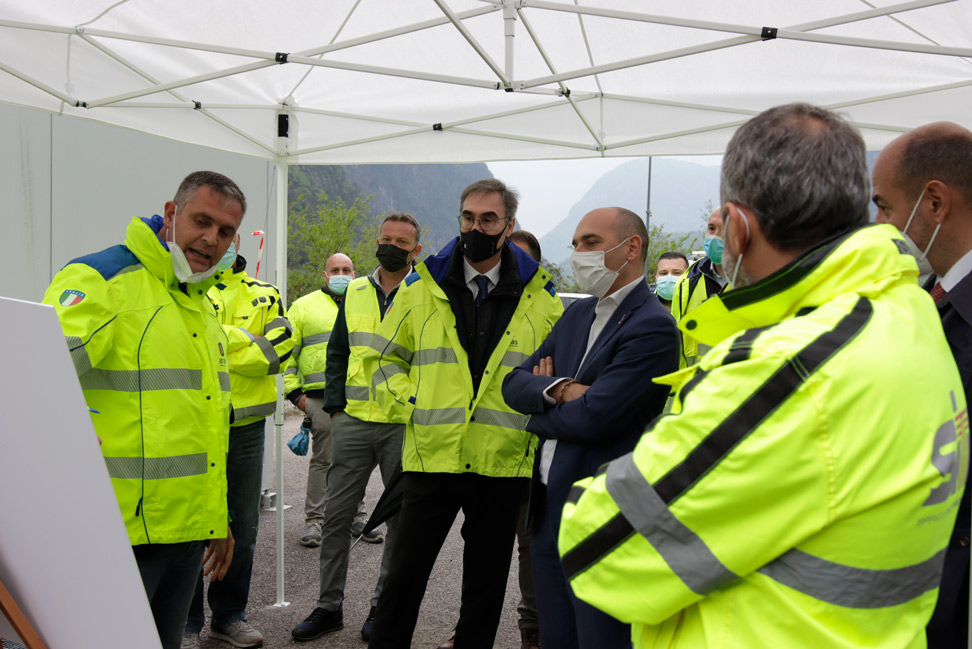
{"x": 692, "y": 290}
{"x": 252, "y": 315}
{"x": 362, "y": 318}
{"x": 423, "y": 377}
{"x": 151, "y": 359}
{"x": 803, "y": 492}
{"x": 312, "y": 317}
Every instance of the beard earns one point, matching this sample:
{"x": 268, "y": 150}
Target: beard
{"x": 734, "y": 272}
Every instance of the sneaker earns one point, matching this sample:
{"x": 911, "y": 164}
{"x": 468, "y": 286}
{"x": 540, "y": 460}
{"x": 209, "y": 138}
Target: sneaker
{"x": 368, "y": 624}
{"x": 190, "y": 640}
{"x": 238, "y": 634}
{"x": 374, "y": 536}
{"x": 312, "y": 534}
{"x": 319, "y": 622}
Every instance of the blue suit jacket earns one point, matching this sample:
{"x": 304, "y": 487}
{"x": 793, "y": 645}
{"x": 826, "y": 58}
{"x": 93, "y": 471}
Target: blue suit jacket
{"x": 639, "y": 342}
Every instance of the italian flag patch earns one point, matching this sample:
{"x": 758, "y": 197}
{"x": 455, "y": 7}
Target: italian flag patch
{"x": 70, "y": 297}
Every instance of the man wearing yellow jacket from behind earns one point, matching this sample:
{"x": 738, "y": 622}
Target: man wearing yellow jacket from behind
{"x": 151, "y": 359}
{"x": 441, "y": 354}
{"x": 252, "y": 315}
{"x": 802, "y": 492}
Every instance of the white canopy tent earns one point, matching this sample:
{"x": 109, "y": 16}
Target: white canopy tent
{"x": 369, "y": 81}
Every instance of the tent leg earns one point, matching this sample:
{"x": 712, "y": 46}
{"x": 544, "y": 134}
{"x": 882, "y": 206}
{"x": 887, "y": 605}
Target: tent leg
{"x": 278, "y": 416}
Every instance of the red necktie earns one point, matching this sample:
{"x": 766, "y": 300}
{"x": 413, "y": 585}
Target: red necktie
{"x": 937, "y": 292}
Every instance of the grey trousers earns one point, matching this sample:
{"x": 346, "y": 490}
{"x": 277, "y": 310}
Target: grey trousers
{"x": 320, "y": 462}
{"x": 357, "y": 447}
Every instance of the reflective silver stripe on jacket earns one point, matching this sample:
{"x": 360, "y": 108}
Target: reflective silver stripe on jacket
{"x": 156, "y": 468}
{"x": 270, "y": 354}
{"x": 682, "y": 549}
{"x": 434, "y": 355}
{"x": 316, "y": 377}
{"x": 82, "y": 363}
{"x": 259, "y": 410}
{"x": 224, "y": 381}
{"x": 852, "y": 587}
{"x": 435, "y": 416}
{"x": 290, "y": 370}
{"x": 356, "y": 392}
{"x": 385, "y": 372}
{"x": 513, "y": 359}
{"x": 491, "y": 417}
{"x": 153, "y": 379}
{"x": 380, "y": 344}
{"x": 315, "y": 339}
{"x": 276, "y": 323}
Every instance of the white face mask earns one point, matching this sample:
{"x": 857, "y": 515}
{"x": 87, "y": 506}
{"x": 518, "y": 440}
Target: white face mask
{"x": 924, "y": 266}
{"x": 592, "y": 275}
{"x": 180, "y": 265}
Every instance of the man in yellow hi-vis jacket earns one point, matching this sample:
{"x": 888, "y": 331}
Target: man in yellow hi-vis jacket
{"x": 802, "y": 491}
{"x": 457, "y": 327}
{"x": 151, "y": 359}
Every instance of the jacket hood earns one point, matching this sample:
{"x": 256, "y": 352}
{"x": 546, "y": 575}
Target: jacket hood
{"x": 438, "y": 265}
{"x": 865, "y": 262}
{"x": 142, "y": 238}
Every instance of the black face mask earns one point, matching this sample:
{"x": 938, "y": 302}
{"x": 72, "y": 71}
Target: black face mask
{"x": 391, "y": 257}
{"x": 478, "y": 246}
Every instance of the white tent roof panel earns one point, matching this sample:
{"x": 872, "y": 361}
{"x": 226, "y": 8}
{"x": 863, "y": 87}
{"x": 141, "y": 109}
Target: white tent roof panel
{"x": 367, "y": 79}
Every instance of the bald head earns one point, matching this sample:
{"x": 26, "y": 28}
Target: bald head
{"x": 940, "y": 151}
{"x": 622, "y": 236}
{"x": 338, "y": 264}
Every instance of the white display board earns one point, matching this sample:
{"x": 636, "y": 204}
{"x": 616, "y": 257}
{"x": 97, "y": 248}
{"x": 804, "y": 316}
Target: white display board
{"x": 64, "y": 554}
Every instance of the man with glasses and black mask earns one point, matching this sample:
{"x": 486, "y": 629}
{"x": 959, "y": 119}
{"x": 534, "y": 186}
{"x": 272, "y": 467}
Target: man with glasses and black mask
{"x": 362, "y": 436}
{"x": 461, "y": 322}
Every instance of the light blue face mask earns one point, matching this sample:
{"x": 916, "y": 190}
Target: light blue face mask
{"x": 228, "y": 259}
{"x": 339, "y": 283}
{"x": 713, "y": 248}
{"x": 665, "y": 286}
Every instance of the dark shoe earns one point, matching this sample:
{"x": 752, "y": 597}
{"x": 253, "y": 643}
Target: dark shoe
{"x": 312, "y": 534}
{"x": 368, "y": 623}
{"x": 319, "y": 622}
{"x": 449, "y": 644}
{"x": 374, "y": 536}
{"x": 529, "y": 638}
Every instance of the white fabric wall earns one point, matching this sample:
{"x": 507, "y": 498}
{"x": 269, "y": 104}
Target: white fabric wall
{"x": 79, "y": 200}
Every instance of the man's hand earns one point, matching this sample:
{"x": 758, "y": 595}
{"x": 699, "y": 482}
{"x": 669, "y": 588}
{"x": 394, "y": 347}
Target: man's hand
{"x": 218, "y": 556}
{"x": 573, "y": 391}
{"x": 545, "y": 368}
{"x": 302, "y": 402}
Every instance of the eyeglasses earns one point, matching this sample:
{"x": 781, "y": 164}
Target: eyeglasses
{"x": 490, "y": 224}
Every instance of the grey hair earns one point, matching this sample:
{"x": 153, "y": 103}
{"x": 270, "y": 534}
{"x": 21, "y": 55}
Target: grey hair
{"x": 802, "y": 170}
{"x": 511, "y": 198}
{"x": 217, "y": 182}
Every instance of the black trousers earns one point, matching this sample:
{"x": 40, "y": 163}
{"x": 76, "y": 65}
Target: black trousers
{"x": 429, "y": 508}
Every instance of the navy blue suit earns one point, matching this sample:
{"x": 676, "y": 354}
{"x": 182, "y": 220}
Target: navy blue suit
{"x": 948, "y": 628}
{"x": 639, "y": 342}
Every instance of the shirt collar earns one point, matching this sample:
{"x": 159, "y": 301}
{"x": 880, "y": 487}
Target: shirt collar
{"x": 957, "y": 272}
{"x": 377, "y": 278}
{"x": 493, "y": 274}
{"x": 614, "y": 300}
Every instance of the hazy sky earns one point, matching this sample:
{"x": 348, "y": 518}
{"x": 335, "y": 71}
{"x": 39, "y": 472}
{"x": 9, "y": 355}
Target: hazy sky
{"x": 549, "y": 188}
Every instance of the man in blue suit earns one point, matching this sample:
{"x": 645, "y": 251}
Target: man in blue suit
{"x": 590, "y": 393}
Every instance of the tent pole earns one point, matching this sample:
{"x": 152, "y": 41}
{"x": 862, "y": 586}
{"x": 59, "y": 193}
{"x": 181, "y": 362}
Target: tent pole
{"x": 278, "y": 417}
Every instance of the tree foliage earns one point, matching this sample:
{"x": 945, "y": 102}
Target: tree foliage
{"x": 320, "y": 227}
{"x": 660, "y": 242}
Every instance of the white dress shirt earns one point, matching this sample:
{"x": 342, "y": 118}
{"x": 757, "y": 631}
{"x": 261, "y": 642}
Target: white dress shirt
{"x": 470, "y": 273}
{"x": 957, "y": 272}
{"x": 605, "y": 308}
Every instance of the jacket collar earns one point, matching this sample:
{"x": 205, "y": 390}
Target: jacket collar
{"x": 437, "y": 266}
{"x": 864, "y": 262}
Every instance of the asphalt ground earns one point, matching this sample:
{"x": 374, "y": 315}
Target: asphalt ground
{"x": 440, "y": 608}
